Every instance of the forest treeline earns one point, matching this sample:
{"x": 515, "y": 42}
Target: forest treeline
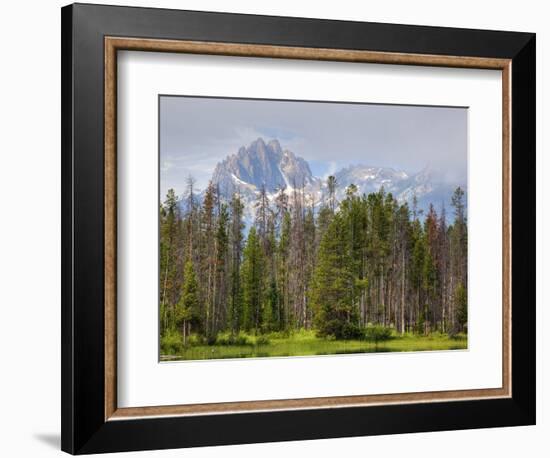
{"x": 338, "y": 269}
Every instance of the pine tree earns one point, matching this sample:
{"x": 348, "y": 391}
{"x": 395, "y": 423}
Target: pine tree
{"x": 309, "y": 259}
{"x": 461, "y": 303}
{"x": 429, "y": 276}
{"x": 283, "y": 270}
{"x": 252, "y": 279}
{"x": 262, "y": 216}
{"x": 222, "y": 261}
{"x": 297, "y": 287}
{"x": 271, "y": 318}
{"x": 331, "y": 286}
{"x": 443, "y": 257}
{"x": 417, "y": 273}
{"x": 236, "y": 241}
{"x": 458, "y": 240}
{"x": 207, "y": 256}
{"x": 331, "y": 185}
{"x": 169, "y": 221}
{"x": 404, "y": 236}
{"x": 431, "y": 268}
{"x": 191, "y": 223}
{"x": 187, "y": 311}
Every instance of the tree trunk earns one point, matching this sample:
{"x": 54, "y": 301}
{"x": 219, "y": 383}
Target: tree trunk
{"x": 403, "y": 292}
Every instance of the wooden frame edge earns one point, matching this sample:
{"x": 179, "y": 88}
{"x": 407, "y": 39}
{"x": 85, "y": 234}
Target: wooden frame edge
{"x": 291, "y": 52}
{"x": 335, "y": 402}
{"x": 507, "y": 227}
{"x": 112, "y": 45}
{"x": 110, "y": 201}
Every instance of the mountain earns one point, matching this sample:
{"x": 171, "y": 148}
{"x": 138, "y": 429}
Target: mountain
{"x": 370, "y": 179}
{"x": 262, "y": 164}
{"x": 268, "y": 165}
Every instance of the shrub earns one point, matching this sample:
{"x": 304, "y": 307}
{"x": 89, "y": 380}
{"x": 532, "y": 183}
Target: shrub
{"x": 224, "y": 338}
{"x": 227, "y": 338}
{"x": 196, "y": 339}
{"x": 262, "y": 340}
{"x": 171, "y": 342}
{"x": 377, "y": 333}
{"x": 241, "y": 339}
{"x": 454, "y": 335}
{"x": 283, "y": 334}
{"x": 211, "y": 339}
{"x": 342, "y": 330}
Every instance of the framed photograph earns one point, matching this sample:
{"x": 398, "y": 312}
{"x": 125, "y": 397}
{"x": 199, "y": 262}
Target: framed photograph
{"x": 282, "y": 228}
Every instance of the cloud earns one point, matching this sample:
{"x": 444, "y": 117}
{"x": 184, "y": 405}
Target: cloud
{"x": 197, "y": 133}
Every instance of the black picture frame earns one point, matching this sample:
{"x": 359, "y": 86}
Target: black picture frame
{"x": 84, "y": 429}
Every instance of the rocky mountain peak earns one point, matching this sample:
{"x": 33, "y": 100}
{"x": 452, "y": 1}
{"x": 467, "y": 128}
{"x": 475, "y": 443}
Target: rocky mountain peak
{"x": 268, "y": 165}
{"x": 261, "y": 164}
{"x": 274, "y": 145}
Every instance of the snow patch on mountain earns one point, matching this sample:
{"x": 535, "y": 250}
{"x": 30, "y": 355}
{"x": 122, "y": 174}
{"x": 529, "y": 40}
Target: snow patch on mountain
{"x": 269, "y": 166}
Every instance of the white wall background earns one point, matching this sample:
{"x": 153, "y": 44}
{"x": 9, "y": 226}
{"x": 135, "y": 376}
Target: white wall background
{"x": 30, "y": 226}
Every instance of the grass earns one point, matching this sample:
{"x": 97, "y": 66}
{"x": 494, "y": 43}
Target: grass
{"x": 306, "y": 343}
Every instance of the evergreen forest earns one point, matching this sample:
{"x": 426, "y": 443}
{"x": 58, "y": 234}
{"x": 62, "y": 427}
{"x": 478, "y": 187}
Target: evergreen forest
{"x": 366, "y": 273}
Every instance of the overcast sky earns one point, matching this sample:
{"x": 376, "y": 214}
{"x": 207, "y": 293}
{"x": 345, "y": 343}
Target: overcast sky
{"x": 196, "y": 133}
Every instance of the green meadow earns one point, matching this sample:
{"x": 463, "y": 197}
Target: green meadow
{"x": 301, "y": 343}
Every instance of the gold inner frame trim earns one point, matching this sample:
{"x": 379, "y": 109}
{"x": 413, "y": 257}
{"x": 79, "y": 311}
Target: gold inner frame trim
{"x": 114, "y": 44}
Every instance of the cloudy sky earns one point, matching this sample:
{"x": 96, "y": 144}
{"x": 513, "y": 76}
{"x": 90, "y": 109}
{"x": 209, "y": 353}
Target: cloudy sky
{"x": 196, "y": 133}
